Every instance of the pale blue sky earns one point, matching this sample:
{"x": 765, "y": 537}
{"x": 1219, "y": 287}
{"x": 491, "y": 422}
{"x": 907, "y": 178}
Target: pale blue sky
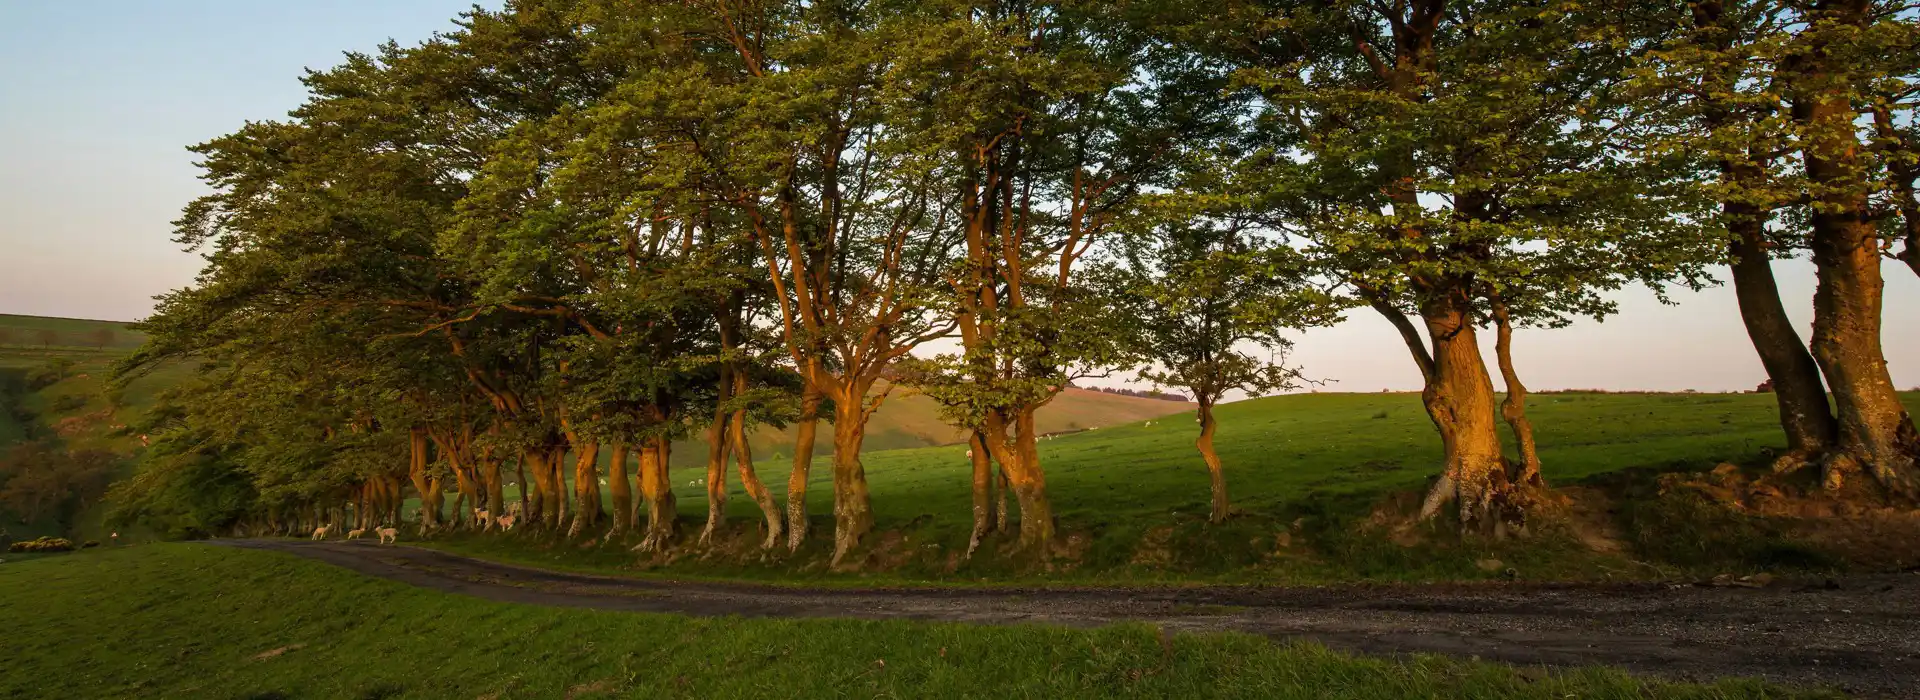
{"x": 99, "y": 98}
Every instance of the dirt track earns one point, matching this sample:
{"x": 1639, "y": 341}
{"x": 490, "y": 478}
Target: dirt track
{"x": 1860, "y": 634}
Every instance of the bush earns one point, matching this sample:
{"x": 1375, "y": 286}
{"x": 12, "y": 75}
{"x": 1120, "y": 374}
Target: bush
{"x": 68, "y": 403}
{"x": 50, "y": 373}
{"x": 44, "y": 544}
{"x": 89, "y": 544}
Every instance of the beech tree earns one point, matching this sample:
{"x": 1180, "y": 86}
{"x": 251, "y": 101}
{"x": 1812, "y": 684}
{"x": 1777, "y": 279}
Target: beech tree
{"x": 1209, "y": 304}
{"x": 1799, "y": 108}
{"x": 1418, "y": 152}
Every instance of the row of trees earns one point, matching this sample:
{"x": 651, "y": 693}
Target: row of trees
{"x": 583, "y": 224}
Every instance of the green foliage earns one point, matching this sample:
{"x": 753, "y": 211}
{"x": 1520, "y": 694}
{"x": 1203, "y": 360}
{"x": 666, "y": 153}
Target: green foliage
{"x": 1199, "y": 297}
{"x": 42, "y": 479}
{"x": 50, "y": 373}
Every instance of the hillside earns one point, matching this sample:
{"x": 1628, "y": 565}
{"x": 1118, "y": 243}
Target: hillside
{"x": 74, "y": 407}
{"x": 909, "y": 420}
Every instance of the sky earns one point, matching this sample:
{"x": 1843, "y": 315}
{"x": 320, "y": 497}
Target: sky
{"x": 100, "y": 98}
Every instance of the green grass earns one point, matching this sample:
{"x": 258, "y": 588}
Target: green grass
{"x": 1310, "y": 466}
{"x": 193, "y": 621}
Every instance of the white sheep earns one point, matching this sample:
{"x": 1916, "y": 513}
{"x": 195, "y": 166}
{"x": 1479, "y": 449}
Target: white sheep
{"x": 320, "y": 533}
{"x": 505, "y": 522}
{"x": 388, "y": 535}
{"x": 355, "y": 534}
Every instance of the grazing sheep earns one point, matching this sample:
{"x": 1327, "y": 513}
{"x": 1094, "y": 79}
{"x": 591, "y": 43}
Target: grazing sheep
{"x": 320, "y": 533}
{"x": 355, "y": 534}
{"x": 505, "y": 522}
{"x": 388, "y": 535}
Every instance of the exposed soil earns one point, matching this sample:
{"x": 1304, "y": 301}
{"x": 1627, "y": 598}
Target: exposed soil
{"x": 1859, "y": 634}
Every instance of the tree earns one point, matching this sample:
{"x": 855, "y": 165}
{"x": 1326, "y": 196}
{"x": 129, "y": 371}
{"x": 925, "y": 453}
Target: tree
{"x": 1713, "y": 97}
{"x": 1421, "y": 153}
{"x": 47, "y": 337}
{"x": 1210, "y": 306}
{"x": 1045, "y": 122}
{"x": 101, "y": 338}
{"x": 39, "y": 480}
{"x": 1829, "y": 68}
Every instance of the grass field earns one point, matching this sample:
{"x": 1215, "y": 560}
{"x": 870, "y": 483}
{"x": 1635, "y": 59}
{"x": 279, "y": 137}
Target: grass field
{"x": 193, "y": 621}
{"x": 1300, "y": 468}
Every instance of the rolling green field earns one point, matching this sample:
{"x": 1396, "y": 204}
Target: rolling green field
{"x": 194, "y": 621}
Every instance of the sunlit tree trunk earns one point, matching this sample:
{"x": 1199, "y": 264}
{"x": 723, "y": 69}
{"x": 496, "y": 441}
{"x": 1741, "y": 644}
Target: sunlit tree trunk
{"x": 852, "y": 504}
{"x": 657, "y": 491}
{"x": 750, "y": 479}
{"x": 1217, "y": 474}
{"x": 1514, "y": 408}
{"x": 803, "y": 441}
{"x": 984, "y": 517}
{"x": 1459, "y": 400}
{"x": 717, "y": 444}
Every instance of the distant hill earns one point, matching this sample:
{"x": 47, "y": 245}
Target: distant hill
{"x": 27, "y": 341}
{"x": 910, "y": 420}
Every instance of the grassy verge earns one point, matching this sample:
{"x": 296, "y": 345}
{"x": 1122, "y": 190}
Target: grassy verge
{"x": 181, "y": 620}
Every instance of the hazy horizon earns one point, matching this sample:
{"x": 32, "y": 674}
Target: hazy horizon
{"x": 103, "y": 98}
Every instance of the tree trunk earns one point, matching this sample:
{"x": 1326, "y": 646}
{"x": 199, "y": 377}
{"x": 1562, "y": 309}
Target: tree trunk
{"x": 622, "y": 491}
{"x": 657, "y": 491}
{"x": 490, "y": 476}
{"x": 1802, "y": 400}
{"x": 522, "y": 487}
{"x": 802, "y": 464}
{"x": 1001, "y": 511}
{"x": 984, "y": 517}
{"x": 1875, "y": 431}
{"x": 717, "y": 444}
{"x": 586, "y": 488}
{"x": 749, "y": 479}
{"x": 562, "y": 507}
{"x": 1514, "y": 408}
{"x": 1021, "y": 459}
{"x": 852, "y": 506}
{"x": 1459, "y": 399}
{"x": 1214, "y": 470}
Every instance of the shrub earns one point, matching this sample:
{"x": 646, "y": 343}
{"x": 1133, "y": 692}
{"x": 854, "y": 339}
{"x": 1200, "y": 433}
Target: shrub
{"x": 68, "y": 403}
{"x": 89, "y": 544}
{"x": 44, "y": 544}
{"x": 50, "y": 373}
